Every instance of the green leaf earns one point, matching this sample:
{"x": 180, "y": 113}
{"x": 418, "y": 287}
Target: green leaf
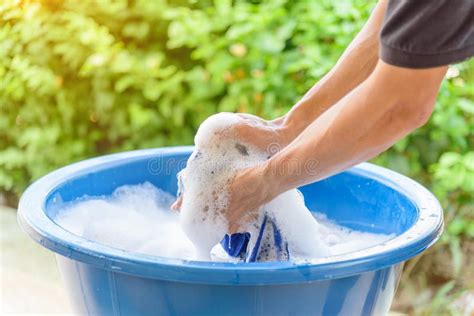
{"x": 469, "y": 161}
{"x": 466, "y": 105}
{"x": 449, "y": 159}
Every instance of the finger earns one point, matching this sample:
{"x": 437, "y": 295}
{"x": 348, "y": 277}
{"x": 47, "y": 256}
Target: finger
{"x": 238, "y": 221}
{"x": 233, "y": 228}
{"x": 176, "y": 206}
{"x": 248, "y": 217}
{"x": 234, "y": 221}
{"x": 234, "y": 217}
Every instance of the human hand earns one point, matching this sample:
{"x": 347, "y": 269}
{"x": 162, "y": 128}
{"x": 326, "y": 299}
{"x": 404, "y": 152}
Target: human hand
{"x": 253, "y": 130}
{"x": 266, "y": 135}
{"x": 249, "y": 190}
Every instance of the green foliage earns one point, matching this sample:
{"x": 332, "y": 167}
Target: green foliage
{"x": 441, "y": 156}
{"x": 85, "y": 78}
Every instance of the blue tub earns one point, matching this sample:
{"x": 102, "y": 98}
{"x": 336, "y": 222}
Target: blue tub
{"x": 107, "y": 281}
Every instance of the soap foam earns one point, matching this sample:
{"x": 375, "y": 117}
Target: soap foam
{"x": 136, "y": 218}
{"x": 211, "y": 166}
{"x": 217, "y": 156}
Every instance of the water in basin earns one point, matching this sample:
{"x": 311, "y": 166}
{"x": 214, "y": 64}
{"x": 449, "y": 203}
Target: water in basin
{"x": 137, "y": 218}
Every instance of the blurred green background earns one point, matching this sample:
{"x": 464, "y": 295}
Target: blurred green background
{"x": 84, "y": 78}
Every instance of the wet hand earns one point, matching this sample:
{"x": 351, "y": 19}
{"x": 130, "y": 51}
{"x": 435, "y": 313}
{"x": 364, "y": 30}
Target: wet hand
{"x": 266, "y": 135}
{"x": 249, "y": 190}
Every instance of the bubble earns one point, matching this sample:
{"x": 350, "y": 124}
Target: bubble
{"x": 136, "y": 218}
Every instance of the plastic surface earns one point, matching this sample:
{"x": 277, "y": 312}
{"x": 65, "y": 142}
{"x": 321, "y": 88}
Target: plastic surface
{"x": 108, "y": 281}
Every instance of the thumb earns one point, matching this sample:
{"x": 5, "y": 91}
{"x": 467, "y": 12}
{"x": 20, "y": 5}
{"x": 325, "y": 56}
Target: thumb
{"x": 176, "y": 206}
{"x": 236, "y": 225}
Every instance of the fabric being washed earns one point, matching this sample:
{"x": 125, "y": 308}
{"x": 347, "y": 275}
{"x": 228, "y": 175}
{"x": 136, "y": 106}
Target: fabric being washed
{"x": 283, "y": 228}
{"x": 268, "y": 245}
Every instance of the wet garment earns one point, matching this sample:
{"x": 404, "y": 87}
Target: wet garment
{"x": 268, "y": 246}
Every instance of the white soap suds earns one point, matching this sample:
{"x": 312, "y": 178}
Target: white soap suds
{"x": 134, "y": 218}
{"x": 137, "y": 218}
{"x": 204, "y": 182}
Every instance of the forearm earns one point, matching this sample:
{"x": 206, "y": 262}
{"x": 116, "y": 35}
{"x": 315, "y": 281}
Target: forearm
{"x": 388, "y": 105}
{"x": 352, "y": 68}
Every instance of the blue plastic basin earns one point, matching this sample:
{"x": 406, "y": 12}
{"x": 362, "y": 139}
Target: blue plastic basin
{"x": 103, "y": 280}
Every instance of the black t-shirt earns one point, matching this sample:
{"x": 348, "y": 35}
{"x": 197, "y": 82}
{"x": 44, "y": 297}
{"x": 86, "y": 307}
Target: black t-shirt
{"x": 427, "y": 33}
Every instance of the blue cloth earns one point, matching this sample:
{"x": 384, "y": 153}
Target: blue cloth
{"x": 268, "y": 245}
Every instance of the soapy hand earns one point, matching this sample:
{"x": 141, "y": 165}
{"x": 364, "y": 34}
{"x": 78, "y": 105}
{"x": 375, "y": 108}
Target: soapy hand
{"x": 260, "y": 133}
{"x": 249, "y": 190}
{"x": 245, "y": 191}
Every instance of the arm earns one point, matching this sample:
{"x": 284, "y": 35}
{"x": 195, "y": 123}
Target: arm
{"x": 392, "y": 102}
{"x": 352, "y": 68}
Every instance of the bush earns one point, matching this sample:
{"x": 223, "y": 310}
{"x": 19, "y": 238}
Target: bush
{"x": 85, "y": 78}
{"x": 81, "y": 79}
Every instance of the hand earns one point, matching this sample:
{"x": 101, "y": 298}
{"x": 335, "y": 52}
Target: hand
{"x": 249, "y": 189}
{"x": 266, "y": 135}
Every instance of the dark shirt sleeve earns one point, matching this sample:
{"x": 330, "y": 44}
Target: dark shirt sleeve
{"x": 427, "y": 33}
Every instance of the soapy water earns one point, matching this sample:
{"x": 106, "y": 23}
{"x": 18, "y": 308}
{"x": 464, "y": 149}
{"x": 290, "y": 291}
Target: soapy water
{"x": 137, "y": 218}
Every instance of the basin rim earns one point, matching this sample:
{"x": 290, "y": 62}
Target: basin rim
{"x": 34, "y": 221}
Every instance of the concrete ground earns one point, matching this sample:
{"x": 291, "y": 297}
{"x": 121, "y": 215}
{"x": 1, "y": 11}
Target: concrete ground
{"x": 30, "y": 281}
